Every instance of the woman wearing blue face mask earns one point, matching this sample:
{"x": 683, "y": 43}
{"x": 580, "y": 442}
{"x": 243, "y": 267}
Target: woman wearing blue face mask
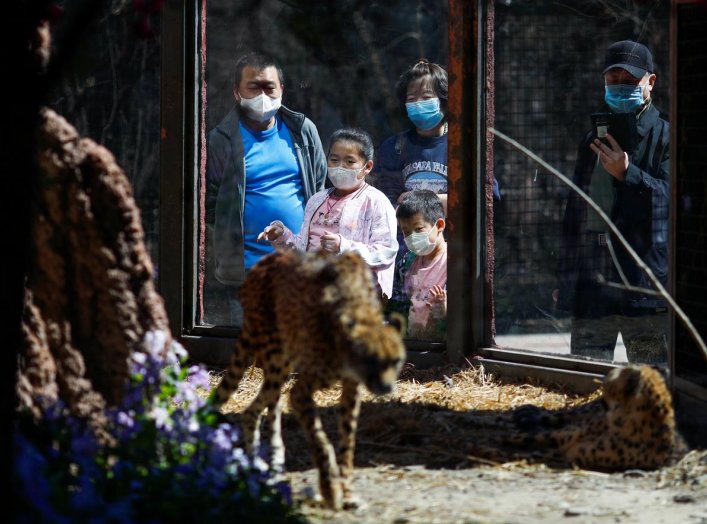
{"x": 417, "y": 157}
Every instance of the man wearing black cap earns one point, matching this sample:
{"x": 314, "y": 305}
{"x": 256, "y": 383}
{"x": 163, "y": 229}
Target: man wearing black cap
{"x": 631, "y": 183}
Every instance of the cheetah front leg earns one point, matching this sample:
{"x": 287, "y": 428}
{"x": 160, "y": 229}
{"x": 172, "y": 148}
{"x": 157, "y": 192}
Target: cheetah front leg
{"x": 240, "y": 361}
{"x": 348, "y": 422}
{"x": 302, "y": 402}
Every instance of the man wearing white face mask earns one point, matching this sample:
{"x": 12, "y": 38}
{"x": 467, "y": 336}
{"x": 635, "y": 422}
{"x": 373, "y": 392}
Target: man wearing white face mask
{"x": 264, "y": 162}
{"x": 632, "y": 187}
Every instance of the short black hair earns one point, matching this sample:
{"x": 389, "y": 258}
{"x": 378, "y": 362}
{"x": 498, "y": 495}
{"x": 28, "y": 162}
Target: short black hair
{"x": 358, "y": 137}
{"x": 422, "y": 68}
{"x": 422, "y": 201}
{"x": 258, "y": 61}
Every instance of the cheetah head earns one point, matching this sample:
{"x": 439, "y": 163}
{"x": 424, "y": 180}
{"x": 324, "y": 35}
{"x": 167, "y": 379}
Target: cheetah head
{"x": 371, "y": 350}
{"x": 633, "y": 382}
{"x": 376, "y": 355}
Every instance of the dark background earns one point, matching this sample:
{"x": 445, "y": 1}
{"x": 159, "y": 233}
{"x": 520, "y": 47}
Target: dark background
{"x": 340, "y": 59}
{"x": 109, "y": 89}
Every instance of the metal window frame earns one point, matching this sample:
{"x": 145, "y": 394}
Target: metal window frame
{"x": 679, "y": 384}
{"x": 690, "y": 399}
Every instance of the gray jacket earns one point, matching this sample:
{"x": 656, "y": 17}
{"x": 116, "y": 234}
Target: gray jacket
{"x": 225, "y": 184}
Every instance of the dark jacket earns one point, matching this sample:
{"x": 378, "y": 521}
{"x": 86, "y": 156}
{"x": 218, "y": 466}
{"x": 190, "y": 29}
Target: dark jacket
{"x": 639, "y": 210}
{"x": 225, "y": 184}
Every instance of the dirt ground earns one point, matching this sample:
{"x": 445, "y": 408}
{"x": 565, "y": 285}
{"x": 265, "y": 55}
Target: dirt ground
{"x": 429, "y": 453}
{"x": 515, "y": 493}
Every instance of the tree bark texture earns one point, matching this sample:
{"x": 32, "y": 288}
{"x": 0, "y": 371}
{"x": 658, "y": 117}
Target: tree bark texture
{"x": 90, "y": 298}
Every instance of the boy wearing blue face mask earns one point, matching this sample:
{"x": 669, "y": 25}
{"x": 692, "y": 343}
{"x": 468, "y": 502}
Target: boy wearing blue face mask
{"x": 423, "y": 270}
{"x": 633, "y": 189}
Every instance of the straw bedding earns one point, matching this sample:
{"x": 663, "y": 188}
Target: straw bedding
{"x": 443, "y": 417}
{"x": 425, "y": 448}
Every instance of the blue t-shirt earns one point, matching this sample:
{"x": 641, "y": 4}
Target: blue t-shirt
{"x": 273, "y": 186}
{"x": 426, "y": 164}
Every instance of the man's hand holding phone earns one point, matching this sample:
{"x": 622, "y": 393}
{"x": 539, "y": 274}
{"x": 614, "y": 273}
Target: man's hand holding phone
{"x": 612, "y": 156}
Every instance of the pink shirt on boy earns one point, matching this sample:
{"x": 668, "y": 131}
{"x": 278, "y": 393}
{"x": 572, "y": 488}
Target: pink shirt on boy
{"x": 423, "y": 317}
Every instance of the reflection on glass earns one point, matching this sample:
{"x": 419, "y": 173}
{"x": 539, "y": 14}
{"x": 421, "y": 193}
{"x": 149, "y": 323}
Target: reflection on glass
{"x": 563, "y": 283}
{"x": 339, "y": 66}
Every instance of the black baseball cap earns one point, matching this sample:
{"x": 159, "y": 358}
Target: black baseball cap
{"x": 629, "y": 55}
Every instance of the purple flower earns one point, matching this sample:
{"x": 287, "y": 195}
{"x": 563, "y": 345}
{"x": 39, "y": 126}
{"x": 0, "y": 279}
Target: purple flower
{"x": 54, "y": 412}
{"x": 222, "y": 438}
{"x": 29, "y": 469}
{"x": 164, "y": 432}
{"x": 155, "y": 342}
{"x": 193, "y": 425}
{"x": 199, "y": 377}
{"x": 178, "y": 350}
{"x": 161, "y": 417}
{"x": 126, "y": 419}
{"x": 185, "y": 394}
{"x": 139, "y": 359}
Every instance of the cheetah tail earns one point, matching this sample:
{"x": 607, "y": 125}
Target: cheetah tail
{"x": 230, "y": 381}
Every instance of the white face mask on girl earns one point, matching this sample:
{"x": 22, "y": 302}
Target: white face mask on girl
{"x": 419, "y": 243}
{"x": 261, "y": 108}
{"x": 344, "y": 178}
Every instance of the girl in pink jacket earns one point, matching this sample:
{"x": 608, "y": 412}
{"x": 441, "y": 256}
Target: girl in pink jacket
{"x": 352, "y": 215}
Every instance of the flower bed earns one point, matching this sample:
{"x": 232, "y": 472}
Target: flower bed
{"x": 173, "y": 459}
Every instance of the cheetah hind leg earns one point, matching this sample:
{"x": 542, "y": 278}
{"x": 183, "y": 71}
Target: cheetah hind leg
{"x": 269, "y": 401}
{"x": 240, "y": 361}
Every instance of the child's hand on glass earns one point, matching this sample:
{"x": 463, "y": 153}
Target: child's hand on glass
{"x": 438, "y": 299}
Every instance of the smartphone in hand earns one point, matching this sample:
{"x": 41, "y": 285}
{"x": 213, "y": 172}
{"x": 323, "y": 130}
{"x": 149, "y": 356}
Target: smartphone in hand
{"x": 622, "y": 126}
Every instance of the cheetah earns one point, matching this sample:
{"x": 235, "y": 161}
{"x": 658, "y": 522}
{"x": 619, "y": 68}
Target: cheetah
{"x": 317, "y": 315}
{"x": 631, "y": 426}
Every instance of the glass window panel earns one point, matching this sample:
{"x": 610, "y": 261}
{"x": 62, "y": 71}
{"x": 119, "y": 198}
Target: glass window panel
{"x": 341, "y": 61}
{"x": 549, "y": 60}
